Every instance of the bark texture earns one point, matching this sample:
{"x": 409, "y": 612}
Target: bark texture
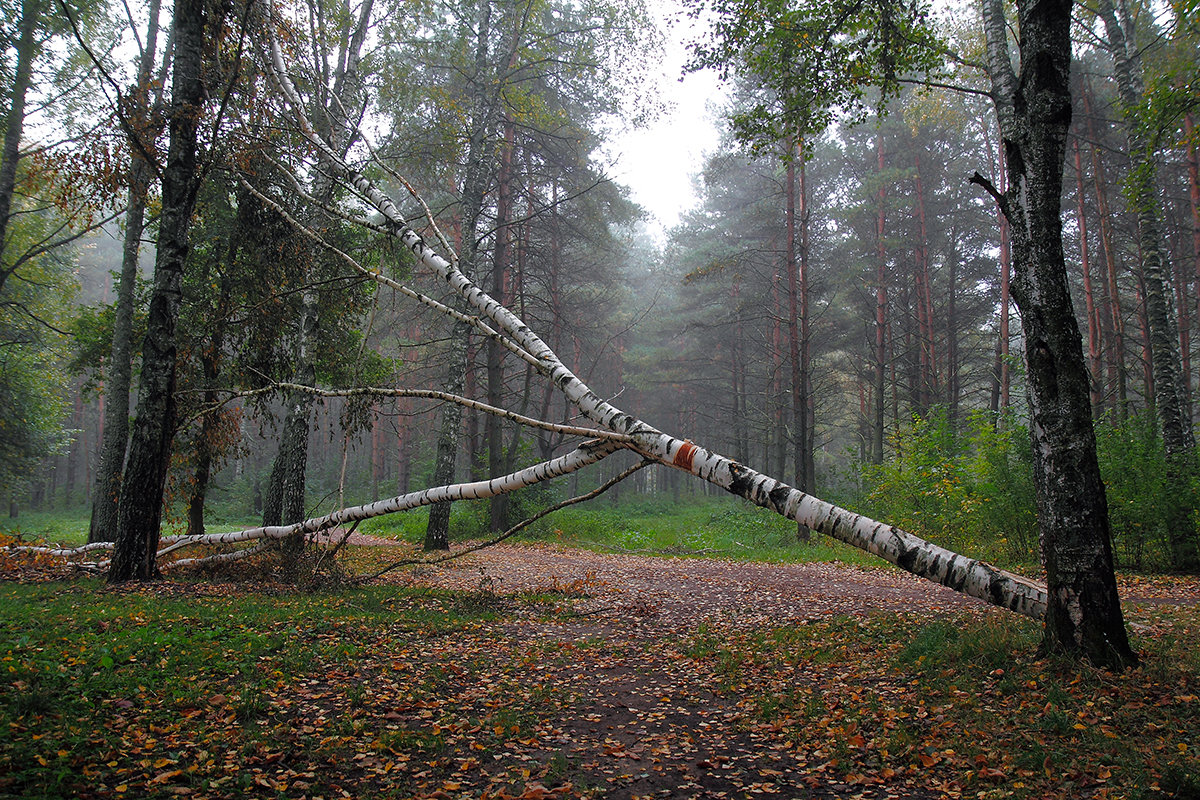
{"x": 119, "y": 374}
{"x": 140, "y": 510}
{"x": 1083, "y": 614}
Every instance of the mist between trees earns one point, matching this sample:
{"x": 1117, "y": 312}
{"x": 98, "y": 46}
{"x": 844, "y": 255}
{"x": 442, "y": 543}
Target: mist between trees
{"x": 836, "y": 310}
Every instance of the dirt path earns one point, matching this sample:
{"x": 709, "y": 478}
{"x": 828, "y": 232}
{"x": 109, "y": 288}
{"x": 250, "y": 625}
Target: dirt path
{"x": 685, "y": 591}
{"x": 641, "y": 718}
{"x": 639, "y": 714}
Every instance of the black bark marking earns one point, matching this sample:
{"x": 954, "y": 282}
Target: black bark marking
{"x": 779, "y": 497}
{"x": 995, "y": 589}
{"x": 741, "y": 481}
{"x": 956, "y": 578}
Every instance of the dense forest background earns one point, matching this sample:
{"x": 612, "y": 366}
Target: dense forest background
{"x": 834, "y": 311}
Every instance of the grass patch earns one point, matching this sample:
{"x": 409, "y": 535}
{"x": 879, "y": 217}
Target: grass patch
{"x": 719, "y": 527}
{"x": 67, "y": 527}
{"x": 966, "y": 704}
{"x": 104, "y": 689}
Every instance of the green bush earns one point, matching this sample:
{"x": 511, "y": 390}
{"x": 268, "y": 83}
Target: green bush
{"x": 967, "y": 489}
{"x": 1133, "y": 464}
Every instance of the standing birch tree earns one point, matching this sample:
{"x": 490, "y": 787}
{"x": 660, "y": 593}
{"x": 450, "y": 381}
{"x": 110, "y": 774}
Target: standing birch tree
{"x": 1033, "y": 104}
{"x": 835, "y": 50}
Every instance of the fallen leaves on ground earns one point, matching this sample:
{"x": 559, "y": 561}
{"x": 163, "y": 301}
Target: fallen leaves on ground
{"x": 536, "y": 673}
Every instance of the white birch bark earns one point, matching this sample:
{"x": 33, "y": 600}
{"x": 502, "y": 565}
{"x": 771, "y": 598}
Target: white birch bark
{"x": 584, "y": 455}
{"x": 898, "y": 547}
{"x": 909, "y": 552}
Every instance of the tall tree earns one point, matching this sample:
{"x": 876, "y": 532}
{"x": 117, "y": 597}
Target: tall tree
{"x": 140, "y": 509}
{"x": 1170, "y": 390}
{"x": 27, "y": 45}
{"x": 1033, "y": 104}
{"x": 334, "y": 65}
{"x": 120, "y": 357}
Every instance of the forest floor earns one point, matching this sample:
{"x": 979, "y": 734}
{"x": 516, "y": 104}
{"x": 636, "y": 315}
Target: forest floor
{"x": 545, "y": 672}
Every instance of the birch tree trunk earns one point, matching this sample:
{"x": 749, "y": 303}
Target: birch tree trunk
{"x": 1193, "y": 165}
{"x": 1169, "y": 381}
{"x": 1083, "y": 615}
{"x": 140, "y": 509}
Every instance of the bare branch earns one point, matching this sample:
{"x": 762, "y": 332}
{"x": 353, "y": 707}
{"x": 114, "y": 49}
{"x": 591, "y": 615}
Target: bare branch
{"x": 430, "y": 394}
{"x": 520, "y": 526}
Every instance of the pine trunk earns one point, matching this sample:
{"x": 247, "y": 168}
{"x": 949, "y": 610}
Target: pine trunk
{"x": 881, "y": 307}
{"x": 495, "y": 367}
{"x": 114, "y": 440}
{"x": 795, "y": 281}
{"x": 27, "y": 47}
{"x": 1093, "y": 320}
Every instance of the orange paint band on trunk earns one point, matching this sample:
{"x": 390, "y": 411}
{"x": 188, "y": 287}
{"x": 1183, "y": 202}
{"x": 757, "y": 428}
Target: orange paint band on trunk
{"x": 683, "y": 456}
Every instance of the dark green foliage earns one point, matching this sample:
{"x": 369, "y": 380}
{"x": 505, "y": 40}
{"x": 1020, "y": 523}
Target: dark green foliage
{"x": 972, "y": 490}
{"x": 814, "y": 59}
{"x": 1133, "y": 462}
{"x": 968, "y": 490}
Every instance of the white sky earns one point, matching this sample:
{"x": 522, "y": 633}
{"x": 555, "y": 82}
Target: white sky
{"x": 657, "y": 163}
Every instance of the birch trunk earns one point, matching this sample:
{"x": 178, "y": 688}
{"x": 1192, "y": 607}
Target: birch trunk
{"x": 140, "y": 509}
{"x": 1083, "y": 615}
{"x": 1169, "y": 381}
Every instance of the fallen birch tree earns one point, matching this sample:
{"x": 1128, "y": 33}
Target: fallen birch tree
{"x": 613, "y": 429}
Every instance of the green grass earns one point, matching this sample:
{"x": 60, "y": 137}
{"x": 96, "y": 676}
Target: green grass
{"x": 67, "y": 527}
{"x": 717, "y": 527}
{"x": 720, "y": 527}
{"x": 70, "y": 526}
{"x": 77, "y": 660}
{"x": 713, "y": 527}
